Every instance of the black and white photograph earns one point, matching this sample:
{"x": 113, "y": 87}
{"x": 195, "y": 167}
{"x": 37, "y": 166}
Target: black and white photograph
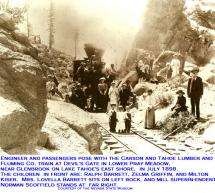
{"x": 100, "y": 95}
{"x": 107, "y": 77}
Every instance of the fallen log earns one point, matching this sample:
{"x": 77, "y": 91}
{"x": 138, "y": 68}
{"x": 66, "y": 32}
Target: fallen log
{"x": 171, "y": 133}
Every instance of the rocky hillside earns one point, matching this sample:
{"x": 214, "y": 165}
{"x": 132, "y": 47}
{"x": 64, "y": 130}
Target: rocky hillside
{"x": 68, "y": 129}
{"x": 23, "y": 101}
{"x": 22, "y": 91}
{"x": 178, "y": 27}
{"x": 167, "y": 25}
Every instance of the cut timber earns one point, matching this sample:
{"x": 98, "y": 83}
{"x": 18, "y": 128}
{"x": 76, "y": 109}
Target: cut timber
{"x": 115, "y": 147}
{"x": 168, "y": 135}
{"x": 111, "y": 142}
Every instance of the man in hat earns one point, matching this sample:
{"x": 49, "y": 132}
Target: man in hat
{"x": 124, "y": 95}
{"x": 52, "y": 86}
{"x": 102, "y": 98}
{"x": 180, "y": 105}
{"x": 89, "y": 93}
{"x": 73, "y": 97}
{"x": 80, "y": 72}
{"x": 81, "y": 99}
{"x": 195, "y": 91}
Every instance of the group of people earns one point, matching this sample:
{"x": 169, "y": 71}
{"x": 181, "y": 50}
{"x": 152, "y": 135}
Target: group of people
{"x": 114, "y": 119}
{"x": 143, "y": 69}
{"x": 101, "y": 93}
{"x": 100, "y": 87}
{"x": 194, "y": 92}
{"x": 92, "y": 90}
{"x": 127, "y": 116}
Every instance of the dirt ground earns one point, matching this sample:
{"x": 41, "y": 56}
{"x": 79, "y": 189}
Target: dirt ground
{"x": 188, "y": 141}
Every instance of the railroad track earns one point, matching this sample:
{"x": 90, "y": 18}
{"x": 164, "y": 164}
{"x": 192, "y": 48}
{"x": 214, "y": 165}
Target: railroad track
{"x": 114, "y": 143}
{"x": 135, "y": 143}
{"x": 142, "y": 135}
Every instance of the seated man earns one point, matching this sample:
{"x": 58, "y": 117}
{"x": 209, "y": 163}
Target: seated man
{"x": 180, "y": 105}
{"x": 52, "y": 86}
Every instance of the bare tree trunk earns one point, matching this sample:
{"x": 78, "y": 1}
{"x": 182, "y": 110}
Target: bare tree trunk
{"x": 51, "y": 24}
{"x": 76, "y": 36}
{"x": 4, "y": 5}
{"x": 27, "y": 19}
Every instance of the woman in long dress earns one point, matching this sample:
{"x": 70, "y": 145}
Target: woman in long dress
{"x": 102, "y": 98}
{"x": 113, "y": 94}
{"x": 150, "y": 111}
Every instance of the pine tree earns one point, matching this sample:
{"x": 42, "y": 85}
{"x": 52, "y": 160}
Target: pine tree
{"x": 4, "y": 5}
{"x": 29, "y": 27}
{"x": 17, "y": 13}
{"x": 51, "y": 24}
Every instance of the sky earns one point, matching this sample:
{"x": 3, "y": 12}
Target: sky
{"x": 108, "y": 24}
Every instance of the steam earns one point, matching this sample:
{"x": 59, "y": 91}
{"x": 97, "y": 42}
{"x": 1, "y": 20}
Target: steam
{"x": 108, "y": 24}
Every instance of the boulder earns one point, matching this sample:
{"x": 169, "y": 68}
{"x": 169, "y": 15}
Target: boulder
{"x": 141, "y": 88}
{"x": 163, "y": 72}
{"x": 21, "y": 38}
{"x": 18, "y": 42}
{"x": 43, "y": 138}
{"x": 59, "y": 138}
{"x": 207, "y": 73}
{"x": 23, "y": 101}
{"x": 132, "y": 77}
{"x": 161, "y": 79}
{"x": 188, "y": 67}
{"x": 79, "y": 121}
{"x": 211, "y": 79}
{"x": 159, "y": 65}
{"x": 168, "y": 23}
{"x": 6, "y": 21}
{"x": 7, "y": 40}
{"x": 31, "y": 51}
{"x": 209, "y": 134}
